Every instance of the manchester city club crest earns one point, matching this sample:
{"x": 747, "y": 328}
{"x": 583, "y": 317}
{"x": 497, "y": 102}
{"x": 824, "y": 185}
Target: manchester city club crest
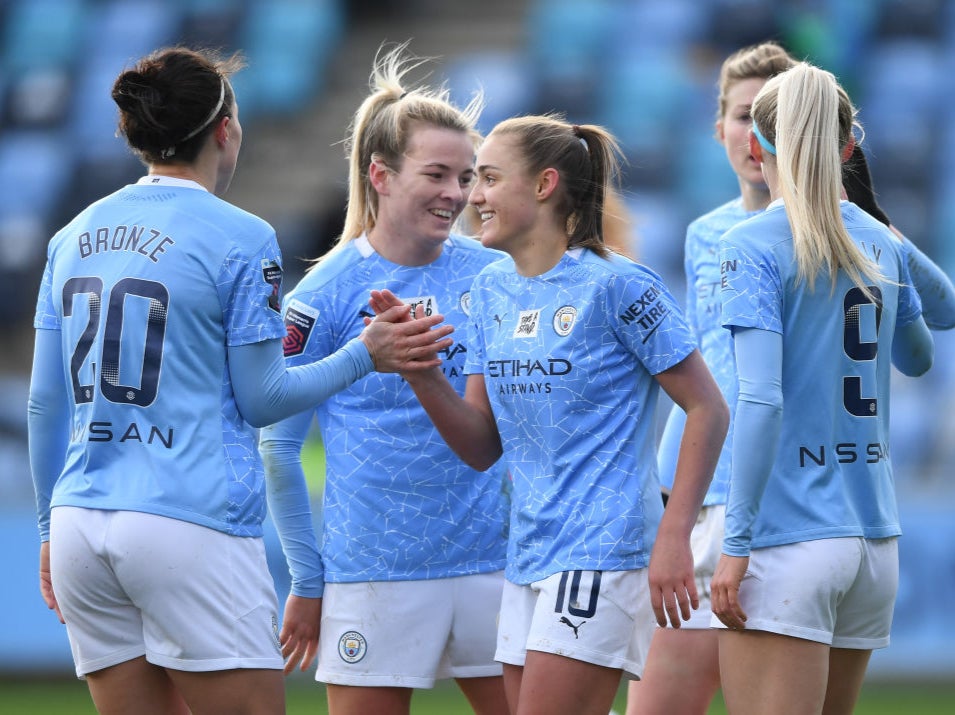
{"x": 352, "y": 646}
{"x": 564, "y": 320}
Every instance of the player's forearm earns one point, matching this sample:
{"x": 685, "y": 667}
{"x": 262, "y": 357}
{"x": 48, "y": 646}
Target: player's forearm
{"x": 755, "y": 436}
{"x": 48, "y": 422}
{"x": 469, "y": 431}
{"x": 934, "y": 287}
{"x": 913, "y": 348}
{"x": 266, "y": 392}
{"x": 703, "y": 434}
{"x": 289, "y": 503}
{"x": 757, "y": 423}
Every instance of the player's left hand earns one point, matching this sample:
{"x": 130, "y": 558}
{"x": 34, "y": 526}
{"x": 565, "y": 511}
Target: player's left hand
{"x": 382, "y": 300}
{"x": 724, "y": 590}
{"x": 46, "y": 581}
{"x": 673, "y": 593}
{"x": 301, "y": 624}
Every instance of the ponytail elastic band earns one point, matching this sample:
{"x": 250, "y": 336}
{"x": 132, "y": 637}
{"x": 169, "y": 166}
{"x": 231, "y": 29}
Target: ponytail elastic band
{"x": 171, "y": 151}
{"x": 763, "y": 141}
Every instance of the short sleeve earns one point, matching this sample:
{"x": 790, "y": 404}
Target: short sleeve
{"x": 751, "y": 290}
{"x": 648, "y": 320}
{"x": 251, "y": 286}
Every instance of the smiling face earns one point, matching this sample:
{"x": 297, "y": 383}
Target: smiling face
{"x": 504, "y": 195}
{"x": 419, "y": 202}
{"x": 733, "y": 130}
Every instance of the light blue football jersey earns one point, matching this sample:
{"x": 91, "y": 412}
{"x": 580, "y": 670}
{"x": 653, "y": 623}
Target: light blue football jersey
{"x": 832, "y": 475}
{"x": 569, "y": 359}
{"x": 701, "y": 263}
{"x": 398, "y": 503}
{"x": 148, "y": 287}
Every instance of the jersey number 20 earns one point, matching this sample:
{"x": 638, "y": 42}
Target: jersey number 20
{"x": 144, "y": 393}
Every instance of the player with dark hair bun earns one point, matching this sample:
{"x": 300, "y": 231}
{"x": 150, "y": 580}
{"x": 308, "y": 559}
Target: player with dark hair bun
{"x": 158, "y": 354}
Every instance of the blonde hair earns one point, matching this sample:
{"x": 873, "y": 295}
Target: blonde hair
{"x": 586, "y": 156}
{"x": 761, "y": 61}
{"x": 382, "y": 125}
{"x": 809, "y": 119}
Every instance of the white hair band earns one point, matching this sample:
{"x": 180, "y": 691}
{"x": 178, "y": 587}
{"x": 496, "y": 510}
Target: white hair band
{"x": 171, "y": 151}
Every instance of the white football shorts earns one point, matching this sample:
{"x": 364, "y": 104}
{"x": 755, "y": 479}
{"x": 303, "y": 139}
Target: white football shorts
{"x": 835, "y": 591}
{"x": 600, "y": 617}
{"x": 187, "y": 597}
{"x": 409, "y": 634}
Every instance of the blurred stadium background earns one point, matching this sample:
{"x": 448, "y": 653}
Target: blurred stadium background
{"x": 644, "y": 68}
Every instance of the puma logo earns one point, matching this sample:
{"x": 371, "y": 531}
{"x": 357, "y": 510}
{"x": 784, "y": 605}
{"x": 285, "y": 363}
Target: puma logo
{"x": 499, "y": 320}
{"x": 566, "y": 621}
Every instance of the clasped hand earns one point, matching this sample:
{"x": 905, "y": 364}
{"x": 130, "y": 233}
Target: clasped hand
{"x": 400, "y": 342}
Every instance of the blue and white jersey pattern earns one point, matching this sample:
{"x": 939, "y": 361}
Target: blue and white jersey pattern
{"x": 832, "y": 476}
{"x": 148, "y": 287}
{"x": 398, "y": 504}
{"x": 569, "y": 359}
{"x": 701, "y": 263}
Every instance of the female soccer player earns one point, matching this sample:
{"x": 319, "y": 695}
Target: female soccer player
{"x": 569, "y": 344}
{"x": 682, "y": 673}
{"x": 818, "y": 297}
{"x": 408, "y": 584}
{"x": 158, "y": 350}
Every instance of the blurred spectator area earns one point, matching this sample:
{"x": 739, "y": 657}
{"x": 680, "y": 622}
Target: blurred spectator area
{"x": 645, "y": 69}
{"x": 58, "y": 60}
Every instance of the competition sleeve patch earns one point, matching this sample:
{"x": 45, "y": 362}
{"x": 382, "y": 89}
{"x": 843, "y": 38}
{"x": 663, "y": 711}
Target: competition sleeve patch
{"x": 272, "y": 274}
{"x": 299, "y": 321}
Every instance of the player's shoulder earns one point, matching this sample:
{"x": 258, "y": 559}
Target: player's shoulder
{"x": 466, "y": 248}
{"x": 501, "y": 270}
{"x": 331, "y": 270}
{"x": 233, "y": 219}
{"x": 614, "y": 268}
{"x": 225, "y": 226}
{"x": 857, "y": 219}
{"x": 761, "y": 230}
{"x": 97, "y": 212}
{"x": 629, "y": 268}
{"x": 731, "y": 211}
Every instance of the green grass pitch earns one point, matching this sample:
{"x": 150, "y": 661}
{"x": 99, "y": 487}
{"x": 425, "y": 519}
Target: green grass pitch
{"x": 306, "y": 697}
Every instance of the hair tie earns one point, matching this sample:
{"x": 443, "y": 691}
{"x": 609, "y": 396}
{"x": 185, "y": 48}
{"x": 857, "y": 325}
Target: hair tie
{"x": 575, "y": 128}
{"x": 763, "y": 141}
{"x": 171, "y": 151}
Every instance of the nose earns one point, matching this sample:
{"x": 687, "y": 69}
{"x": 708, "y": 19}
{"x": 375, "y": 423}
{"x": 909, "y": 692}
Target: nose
{"x": 476, "y": 198}
{"x": 453, "y": 191}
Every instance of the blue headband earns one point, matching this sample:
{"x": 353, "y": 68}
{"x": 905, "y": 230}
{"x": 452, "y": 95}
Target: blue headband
{"x": 763, "y": 142}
